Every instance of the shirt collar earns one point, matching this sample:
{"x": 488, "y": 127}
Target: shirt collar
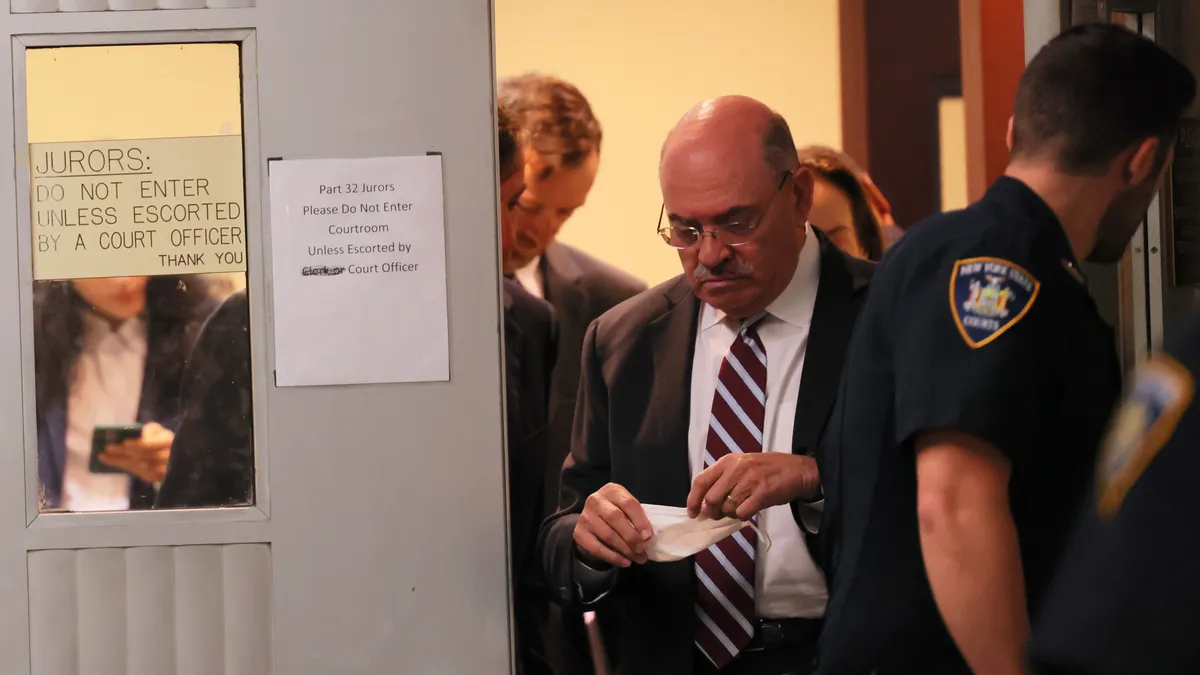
{"x": 530, "y": 277}
{"x": 131, "y": 331}
{"x": 794, "y": 305}
{"x": 532, "y": 267}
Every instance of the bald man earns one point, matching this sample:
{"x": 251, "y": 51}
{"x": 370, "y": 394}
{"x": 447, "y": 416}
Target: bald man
{"x": 708, "y": 393}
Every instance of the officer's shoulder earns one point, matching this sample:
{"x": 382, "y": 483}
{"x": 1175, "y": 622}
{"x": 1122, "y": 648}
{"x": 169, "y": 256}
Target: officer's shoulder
{"x": 977, "y": 240}
{"x": 979, "y": 230}
{"x": 1157, "y": 403}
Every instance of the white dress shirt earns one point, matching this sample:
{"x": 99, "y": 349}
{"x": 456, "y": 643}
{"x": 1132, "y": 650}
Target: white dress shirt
{"x": 530, "y": 278}
{"x": 105, "y": 388}
{"x": 788, "y": 583}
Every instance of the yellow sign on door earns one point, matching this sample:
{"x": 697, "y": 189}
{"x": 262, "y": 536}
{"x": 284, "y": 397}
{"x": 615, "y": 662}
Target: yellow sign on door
{"x": 138, "y": 207}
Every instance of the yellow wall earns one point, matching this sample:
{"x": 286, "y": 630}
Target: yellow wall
{"x": 125, "y": 92}
{"x": 133, "y": 92}
{"x": 643, "y": 63}
{"x": 952, "y": 129}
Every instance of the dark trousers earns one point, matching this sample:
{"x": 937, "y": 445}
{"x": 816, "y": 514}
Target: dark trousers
{"x": 786, "y": 660}
{"x": 565, "y": 640}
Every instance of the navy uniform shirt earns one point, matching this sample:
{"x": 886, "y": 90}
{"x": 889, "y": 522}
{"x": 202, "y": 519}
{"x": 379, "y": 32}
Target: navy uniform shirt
{"x": 1127, "y": 597}
{"x": 978, "y": 321}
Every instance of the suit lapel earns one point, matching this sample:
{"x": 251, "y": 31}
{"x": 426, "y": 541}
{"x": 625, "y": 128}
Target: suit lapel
{"x": 829, "y": 336}
{"x": 561, "y": 275}
{"x": 672, "y": 340}
{"x": 561, "y": 288}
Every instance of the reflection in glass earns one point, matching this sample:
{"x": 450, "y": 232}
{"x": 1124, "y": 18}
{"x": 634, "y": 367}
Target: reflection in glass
{"x": 109, "y": 357}
{"x": 141, "y": 343}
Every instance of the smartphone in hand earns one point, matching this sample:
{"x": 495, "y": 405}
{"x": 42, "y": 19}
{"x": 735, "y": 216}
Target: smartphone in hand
{"x": 104, "y": 435}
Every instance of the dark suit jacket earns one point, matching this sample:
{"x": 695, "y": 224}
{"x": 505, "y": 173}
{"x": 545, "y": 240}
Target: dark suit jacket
{"x": 580, "y": 288}
{"x": 212, "y": 459}
{"x": 631, "y": 428}
{"x": 530, "y": 347}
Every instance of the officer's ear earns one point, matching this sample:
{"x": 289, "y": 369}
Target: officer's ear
{"x": 1008, "y": 137}
{"x": 1143, "y": 160}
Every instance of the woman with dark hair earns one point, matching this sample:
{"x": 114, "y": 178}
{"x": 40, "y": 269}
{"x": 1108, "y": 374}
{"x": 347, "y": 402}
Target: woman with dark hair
{"x": 110, "y": 352}
{"x": 842, "y": 207}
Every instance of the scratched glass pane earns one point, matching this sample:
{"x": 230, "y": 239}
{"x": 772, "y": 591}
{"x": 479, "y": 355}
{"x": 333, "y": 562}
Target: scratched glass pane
{"x": 141, "y": 340}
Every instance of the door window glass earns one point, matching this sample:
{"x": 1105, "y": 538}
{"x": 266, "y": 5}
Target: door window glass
{"x": 141, "y": 340}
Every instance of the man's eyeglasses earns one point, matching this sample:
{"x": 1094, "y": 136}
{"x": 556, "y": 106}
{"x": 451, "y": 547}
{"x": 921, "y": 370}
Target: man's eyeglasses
{"x": 734, "y": 233}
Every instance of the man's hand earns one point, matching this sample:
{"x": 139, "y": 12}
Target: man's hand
{"x": 144, "y": 457}
{"x": 613, "y": 527}
{"x": 741, "y": 485}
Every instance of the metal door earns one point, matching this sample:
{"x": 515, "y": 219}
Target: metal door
{"x": 375, "y": 542}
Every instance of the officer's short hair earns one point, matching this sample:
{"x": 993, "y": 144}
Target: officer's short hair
{"x": 1095, "y": 90}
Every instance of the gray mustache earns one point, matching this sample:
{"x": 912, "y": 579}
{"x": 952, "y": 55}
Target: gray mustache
{"x": 734, "y": 266}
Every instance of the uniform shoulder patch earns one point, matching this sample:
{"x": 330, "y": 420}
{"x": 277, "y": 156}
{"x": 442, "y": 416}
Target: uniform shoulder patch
{"x": 1161, "y": 392}
{"x": 988, "y": 296}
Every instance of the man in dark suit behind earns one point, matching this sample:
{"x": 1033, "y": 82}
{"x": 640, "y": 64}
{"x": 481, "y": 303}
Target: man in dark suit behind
{"x": 561, "y": 138}
{"x": 711, "y": 391}
{"x": 530, "y": 349}
{"x": 581, "y": 288}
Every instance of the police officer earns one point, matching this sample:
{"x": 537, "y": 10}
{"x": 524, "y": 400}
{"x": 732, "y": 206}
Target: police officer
{"x": 1127, "y": 597}
{"x": 980, "y": 377}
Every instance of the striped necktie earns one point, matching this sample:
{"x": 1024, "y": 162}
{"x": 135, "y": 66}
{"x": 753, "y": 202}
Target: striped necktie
{"x": 725, "y": 570}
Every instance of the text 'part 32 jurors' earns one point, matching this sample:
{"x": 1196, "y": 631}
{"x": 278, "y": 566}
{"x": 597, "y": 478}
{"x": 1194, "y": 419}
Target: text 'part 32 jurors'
{"x": 370, "y": 246}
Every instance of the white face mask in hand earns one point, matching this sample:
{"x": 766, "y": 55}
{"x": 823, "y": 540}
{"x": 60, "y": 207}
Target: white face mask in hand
{"x": 676, "y": 536}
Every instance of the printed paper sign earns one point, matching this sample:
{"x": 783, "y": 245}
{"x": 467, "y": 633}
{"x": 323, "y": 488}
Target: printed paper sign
{"x": 137, "y": 208}
{"x": 358, "y": 248}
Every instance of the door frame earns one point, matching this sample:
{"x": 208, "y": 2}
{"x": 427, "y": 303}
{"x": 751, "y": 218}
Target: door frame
{"x": 150, "y": 527}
